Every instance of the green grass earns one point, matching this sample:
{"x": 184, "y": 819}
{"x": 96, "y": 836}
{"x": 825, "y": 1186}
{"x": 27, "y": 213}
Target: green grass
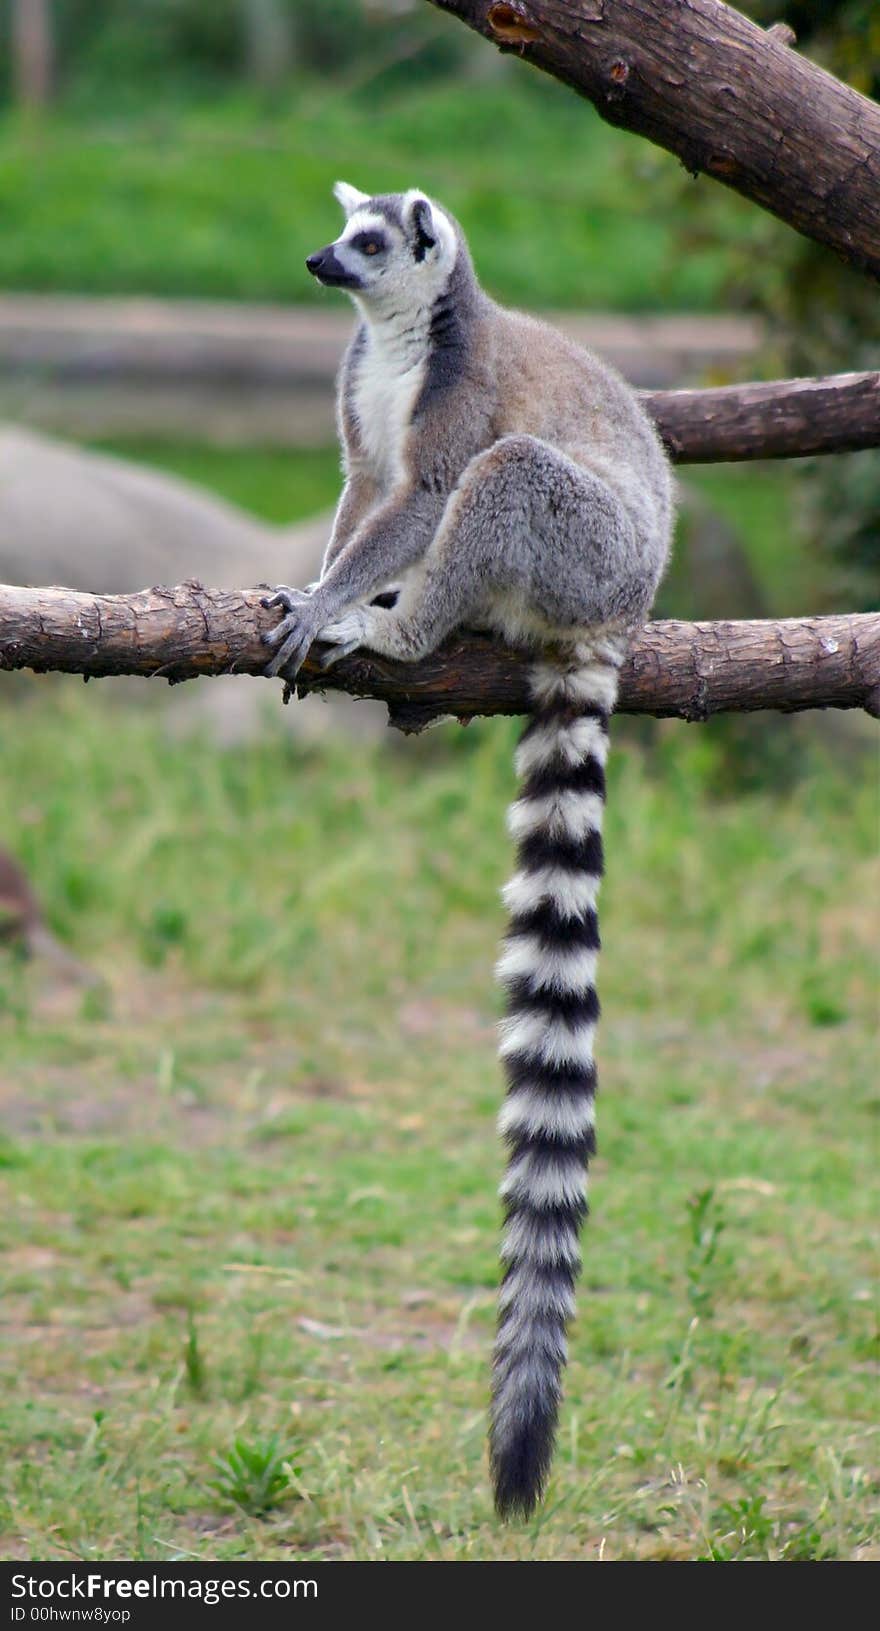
{"x": 283, "y": 485}
{"x": 249, "y": 1191}
{"x": 224, "y": 199}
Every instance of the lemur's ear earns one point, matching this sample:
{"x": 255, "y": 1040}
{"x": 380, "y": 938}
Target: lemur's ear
{"x": 421, "y": 224}
{"x": 349, "y": 197}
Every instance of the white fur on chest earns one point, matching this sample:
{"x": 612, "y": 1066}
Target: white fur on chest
{"x": 390, "y": 375}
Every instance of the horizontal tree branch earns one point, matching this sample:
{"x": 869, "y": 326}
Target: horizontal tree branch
{"x": 728, "y": 98}
{"x": 778, "y": 419}
{"x": 689, "y": 670}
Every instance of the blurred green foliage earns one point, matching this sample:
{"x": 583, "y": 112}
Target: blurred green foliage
{"x": 224, "y": 197}
{"x": 111, "y": 48}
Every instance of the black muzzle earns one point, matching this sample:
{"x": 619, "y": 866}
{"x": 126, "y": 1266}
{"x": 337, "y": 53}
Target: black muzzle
{"x": 329, "y": 270}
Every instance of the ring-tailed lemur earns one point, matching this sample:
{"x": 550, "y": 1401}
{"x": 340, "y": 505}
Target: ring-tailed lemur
{"x": 499, "y": 476}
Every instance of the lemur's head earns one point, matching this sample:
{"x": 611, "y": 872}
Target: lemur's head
{"x": 396, "y": 248}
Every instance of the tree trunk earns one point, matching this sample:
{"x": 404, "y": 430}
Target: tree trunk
{"x": 31, "y": 52}
{"x": 268, "y": 30}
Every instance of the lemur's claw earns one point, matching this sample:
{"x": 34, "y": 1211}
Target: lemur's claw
{"x": 290, "y": 656}
{"x": 288, "y": 598}
{"x": 293, "y": 635}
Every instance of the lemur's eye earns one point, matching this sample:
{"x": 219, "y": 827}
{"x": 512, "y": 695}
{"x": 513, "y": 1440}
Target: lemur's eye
{"x": 369, "y": 243}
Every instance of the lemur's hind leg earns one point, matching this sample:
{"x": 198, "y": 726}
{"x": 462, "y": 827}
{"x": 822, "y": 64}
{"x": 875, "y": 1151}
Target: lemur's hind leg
{"x": 529, "y": 541}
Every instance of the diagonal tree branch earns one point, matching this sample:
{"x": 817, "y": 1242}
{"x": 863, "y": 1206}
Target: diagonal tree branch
{"x": 690, "y": 670}
{"x": 726, "y": 97}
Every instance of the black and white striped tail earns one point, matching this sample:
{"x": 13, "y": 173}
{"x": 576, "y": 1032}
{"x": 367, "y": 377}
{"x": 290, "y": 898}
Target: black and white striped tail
{"x": 548, "y": 966}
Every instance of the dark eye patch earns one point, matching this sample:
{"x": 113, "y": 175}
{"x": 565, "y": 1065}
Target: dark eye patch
{"x": 369, "y": 243}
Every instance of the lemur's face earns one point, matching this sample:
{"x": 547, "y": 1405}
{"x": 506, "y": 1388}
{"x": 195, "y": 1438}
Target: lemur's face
{"x": 395, "y": 247}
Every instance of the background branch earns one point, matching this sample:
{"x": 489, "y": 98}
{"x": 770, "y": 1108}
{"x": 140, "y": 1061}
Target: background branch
{"x": 728, "y": 98}
{"x": 779, "y": 419}
{"x": 690, "y": 670}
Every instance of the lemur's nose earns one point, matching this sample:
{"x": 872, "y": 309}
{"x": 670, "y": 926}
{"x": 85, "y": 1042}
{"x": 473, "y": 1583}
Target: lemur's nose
{"x": 314, "y": 262}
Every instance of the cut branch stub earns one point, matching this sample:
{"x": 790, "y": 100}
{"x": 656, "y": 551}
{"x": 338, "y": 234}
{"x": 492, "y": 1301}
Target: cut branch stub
{"x": 512, "y": 25}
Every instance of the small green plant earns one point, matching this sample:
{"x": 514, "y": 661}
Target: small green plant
{"x": 706, "y": 1222}
{"x": 250, "y": 1382}
{"x": 748, "y": 1532}
{"x": 705, "y": 1226}
{"x": 94, "y": 1450}
{"x": 255, "y": 1476}
{"x": 166, "y": 927}
{"x": 194, "y": 1363}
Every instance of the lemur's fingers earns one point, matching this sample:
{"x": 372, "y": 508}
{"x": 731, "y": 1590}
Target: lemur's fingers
{"x": 328, "y": 658}
{"x": 288, "y": 598}
{"x": 293, "y": 634}
{"x": 292, "y": 653}
{"x": 272, "y": 637}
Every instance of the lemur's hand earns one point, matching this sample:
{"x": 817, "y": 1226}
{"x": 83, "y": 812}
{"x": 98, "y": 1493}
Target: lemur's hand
{"x": 310, "y": 616}
{"x": 295, "y": 633}
{"x": 358, "y": 626}
{"x": 345, "y": 634}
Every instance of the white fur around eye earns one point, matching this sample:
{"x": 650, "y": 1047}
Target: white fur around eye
{"x": 363, "y": 220}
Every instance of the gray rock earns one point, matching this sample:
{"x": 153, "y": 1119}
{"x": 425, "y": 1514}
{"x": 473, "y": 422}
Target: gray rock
{"x": 95, "y": 522}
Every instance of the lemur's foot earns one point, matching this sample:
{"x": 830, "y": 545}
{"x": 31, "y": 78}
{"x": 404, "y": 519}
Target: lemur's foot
{"x": 377, "y": 628}
{"x": 294, "y": 634}
{"x": 347, "y": 634}
{"x": 329, "y": 658}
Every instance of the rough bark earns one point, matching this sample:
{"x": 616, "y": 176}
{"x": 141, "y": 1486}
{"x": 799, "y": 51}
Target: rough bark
{"x": 780, "y": 419}
{"x": 689, "y": 670}
{"x": 724, "y": 95}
